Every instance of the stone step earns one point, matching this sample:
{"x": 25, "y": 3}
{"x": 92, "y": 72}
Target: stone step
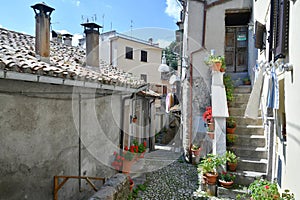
{"x": 240, "y": 121}
{"x": 250, "y": 141}
{"x": 251, "y": 164}
{"x": 249, "y": 130}
{"x": 235, "y": 111}
{"x": 241, "y": 97}
{"x": 241, "y": 105}
{"x": 242, "y": 89}
{"x": 231, "y": 193}
{"x": 245, "y": 178}
{"x": 249, "y": 152}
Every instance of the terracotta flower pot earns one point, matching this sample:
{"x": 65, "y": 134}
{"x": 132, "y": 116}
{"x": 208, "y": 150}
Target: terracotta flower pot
{"x": 196, "y": 152}
{"x": 230, "y": 130}
{"x": 131, "y": 185}
{"x": 232, "y": 166}
{"x": 226, "y": 184}
{"x": 211, "y": 178}
{"x": 211, "y": 135}
{"x": 216, "y": 66}
{"x": 127, "y": 166}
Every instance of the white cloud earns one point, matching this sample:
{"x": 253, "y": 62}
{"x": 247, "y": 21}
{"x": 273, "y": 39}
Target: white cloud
{"x": 77, "y": 3}
{"x": 163, "y": 43}
{"x": 75, "y": 39}
{"x": 173, "y": 9}
{"x": 1, "y": 26}
{"x": 63, "y": 32}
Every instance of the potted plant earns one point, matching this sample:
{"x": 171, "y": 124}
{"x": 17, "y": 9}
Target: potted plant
{"x": 196, "y": 150}
{"x": 208, "y": 119}
{"x": 246, "y": 81}
{"x": 215, "y": 62}
{"x": 263, "y": 189}
{"x": 209, "y": 167}
{"x": 230, "y": 139}
{"x": 232, "y": 160}
{"x": 230, "y": 125}
{"x": 229, "y": 87}
{"x": 226, "y": 179}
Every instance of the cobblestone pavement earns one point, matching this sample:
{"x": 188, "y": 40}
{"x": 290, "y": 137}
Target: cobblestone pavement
{"x": 176, "y": 181}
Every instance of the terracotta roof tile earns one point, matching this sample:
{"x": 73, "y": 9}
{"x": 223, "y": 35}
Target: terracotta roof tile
{"x": 17, "y": 54}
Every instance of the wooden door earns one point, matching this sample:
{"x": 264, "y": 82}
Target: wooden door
{"x": 236, "y": 48}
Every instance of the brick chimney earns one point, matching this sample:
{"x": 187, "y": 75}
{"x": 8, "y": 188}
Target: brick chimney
{"x": 67, "y": 39}
{"x": 91, "y": 31}
{"x": 42, "y": 30}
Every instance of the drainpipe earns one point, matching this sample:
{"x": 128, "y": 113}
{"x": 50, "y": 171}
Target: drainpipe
{"x": 151, "y": 146}
{"x": 204, "y": 22}
{"x": 122, "y": 120}
{"x": 79, "y": 141}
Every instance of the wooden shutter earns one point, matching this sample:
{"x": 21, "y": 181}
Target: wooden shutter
{"x": 281, "y": 15}
{"x": 260, "y": 31}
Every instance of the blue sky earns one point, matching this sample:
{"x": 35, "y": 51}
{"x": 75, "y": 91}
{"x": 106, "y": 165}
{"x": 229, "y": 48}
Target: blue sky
{"x": 148, "y": 18}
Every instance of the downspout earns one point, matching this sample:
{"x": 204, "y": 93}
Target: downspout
{"x": 204, "y": 23}
{"x": 79, "y": 141}
{"x": 270, "y": 39}
{"x": 110, "y": 51}
{"x": 151, "y": 147}
{"x": 122, "y": 120}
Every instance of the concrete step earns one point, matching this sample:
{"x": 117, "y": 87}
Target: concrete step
{"x": 241, "y": 97}
{"x": 250, "y": 152}
{"x": 241, "y": 121}
{"x": 231, "y": 193}
{"x": 250, "y": 141}
{"x": 245, "y": 178}
{"x": 242, "y": 89}
{"x": 249, "y": 130}
{"x": 251, "y": 164}
{"x": 241, "y": 105}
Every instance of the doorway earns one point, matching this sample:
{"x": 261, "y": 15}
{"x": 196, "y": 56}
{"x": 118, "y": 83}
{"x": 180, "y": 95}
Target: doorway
{"x": 236, "y": 41}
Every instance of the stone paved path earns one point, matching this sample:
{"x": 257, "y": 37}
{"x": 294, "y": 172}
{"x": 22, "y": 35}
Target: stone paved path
{"x": 176, "y": 181}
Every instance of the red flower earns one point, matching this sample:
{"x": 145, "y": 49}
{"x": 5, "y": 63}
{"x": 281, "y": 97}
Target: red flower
{"x": 207, "y": 115}
{"x": 145, "y": 143}
{"x": 118, "y": 157}
{"x": 267, "y": 187}
{"x": 132, "y": 149}
{"x": 136, "y": 148}
{"x": 115, "y": 153}
{"x": 126, "y": 148}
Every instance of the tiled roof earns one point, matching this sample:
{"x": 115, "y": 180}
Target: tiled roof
{"x": 17, "y": 53}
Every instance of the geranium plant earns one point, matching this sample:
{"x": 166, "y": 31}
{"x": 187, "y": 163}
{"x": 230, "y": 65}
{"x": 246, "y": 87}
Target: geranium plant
{"x": 264, "y": 189}
{"x": 226, "y": 176}
{"x": 207, "y": 115}
{"x": 135, "y": 150}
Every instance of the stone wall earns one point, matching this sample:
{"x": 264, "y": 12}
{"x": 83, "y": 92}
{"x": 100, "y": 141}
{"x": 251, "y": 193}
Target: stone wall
{"x": 39, "y": 138}
{"x": 115, "y": 188}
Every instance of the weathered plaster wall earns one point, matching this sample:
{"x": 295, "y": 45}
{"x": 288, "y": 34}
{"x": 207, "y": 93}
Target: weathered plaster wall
{"x": 292, "y": 99}
{"x": 39, "y": 138}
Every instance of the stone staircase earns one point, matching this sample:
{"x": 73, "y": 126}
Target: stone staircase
{"x": 250, "y": 145}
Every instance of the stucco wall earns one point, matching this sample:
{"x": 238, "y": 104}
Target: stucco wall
{"x": 39, "y": 138}
{"x": 292, "y": 99}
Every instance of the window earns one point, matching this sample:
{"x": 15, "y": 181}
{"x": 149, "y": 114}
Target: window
{"x": 260, "y": 35}
{"x": 144, "y": 77}
{"x": 280, "y": 27}
{"x": 143, "y": 56}
{"x": 129, "y": 53}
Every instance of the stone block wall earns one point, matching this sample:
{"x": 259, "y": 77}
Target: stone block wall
{"x": 115, "y": 188}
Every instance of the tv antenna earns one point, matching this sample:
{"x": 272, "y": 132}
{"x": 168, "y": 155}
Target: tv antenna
{"x": 87, "y": 19}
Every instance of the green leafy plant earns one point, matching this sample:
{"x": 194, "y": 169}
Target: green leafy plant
{"x": 230, "y": 122}
{"x": 231, "y": 157}
{"x": 263, "y": 189}
{"x": 231, "y": 138}
{"x": 195, "y": 147}
{"x": 229, "y": 87}
{"x": 287, "y": 195}
{"x": 226, "y": 176}
{"x": 211, "y": 162}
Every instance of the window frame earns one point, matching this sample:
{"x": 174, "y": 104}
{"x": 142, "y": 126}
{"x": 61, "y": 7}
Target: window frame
{"x": 129, "y": 53}
{"x": 144, "y": 56}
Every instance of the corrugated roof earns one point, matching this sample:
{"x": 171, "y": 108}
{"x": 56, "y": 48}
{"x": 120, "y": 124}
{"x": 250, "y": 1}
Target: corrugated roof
{"x": 17, "y": 53}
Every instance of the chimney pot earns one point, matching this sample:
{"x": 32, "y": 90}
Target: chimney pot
{"x": 67, "y": 39}
{"x": 91, "y": 31}
{"x": 42, "y": 30}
